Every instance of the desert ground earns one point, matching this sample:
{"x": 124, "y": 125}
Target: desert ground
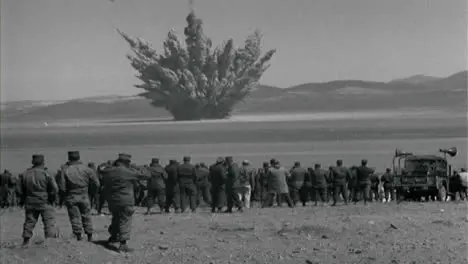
{"x": 378, "y": 233}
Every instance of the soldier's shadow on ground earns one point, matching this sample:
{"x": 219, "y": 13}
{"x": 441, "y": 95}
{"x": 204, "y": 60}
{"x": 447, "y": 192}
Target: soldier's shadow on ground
{"x": 106, "y": 245}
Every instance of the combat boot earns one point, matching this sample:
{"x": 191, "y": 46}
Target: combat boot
{"x": 90, "y": 237}
{"x": 79, "y": 237}
{"x": 124, "y": 247}
{"x": 25, "y": 242}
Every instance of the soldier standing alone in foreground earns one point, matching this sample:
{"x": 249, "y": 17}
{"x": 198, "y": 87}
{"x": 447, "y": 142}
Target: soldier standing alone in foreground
{"x": 118, "y": 188}
{"x": 74, "y": 182}
{"x": 38, "y": 191}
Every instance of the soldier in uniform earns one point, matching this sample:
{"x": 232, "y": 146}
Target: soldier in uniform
{"x": 156, "y": 186}
{"x": 203, "y": 184}
{"x": 374, "y": 188}
{"x": 246, "y": 183}
{"x": 232, "y": 186}
{"x": 38, "y": 191}
{"x": 261, "y": 185}
{"x": 340, "y": 177}
{"x": 387, "y": 180}
{"x": 5, "y": 186}
{"x": 298, "y": 176}
{"x": 218, "y": 179}
{"x": 93, "y": 190}
{"x": 187, "y": 182}
{"x": 119, "y": 191}
{"x": 75, "y": 181}
{"x": 172, "y": 187}
{"x": 101, "y": 199}
{"x": 319, "y": 184}
{"x": 363, "y": 174}
{"x": 308, "y": 191}
{"x": 277, "y": 185}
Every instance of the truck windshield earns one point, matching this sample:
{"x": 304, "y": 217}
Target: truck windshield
{"x": 419, "y": 165}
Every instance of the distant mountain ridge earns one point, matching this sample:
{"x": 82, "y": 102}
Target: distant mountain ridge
{"x": 416, "y": 91}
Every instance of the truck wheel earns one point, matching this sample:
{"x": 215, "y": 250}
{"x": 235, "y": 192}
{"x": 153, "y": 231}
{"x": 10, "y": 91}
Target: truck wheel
{"x": 442, "y": 193}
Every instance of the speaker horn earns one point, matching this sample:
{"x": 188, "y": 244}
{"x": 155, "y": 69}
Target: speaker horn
{"x": 452, "y": 152}
{"x": 400, "y": 153}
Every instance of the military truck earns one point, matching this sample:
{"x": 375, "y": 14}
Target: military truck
{"x": 418, "y": 176}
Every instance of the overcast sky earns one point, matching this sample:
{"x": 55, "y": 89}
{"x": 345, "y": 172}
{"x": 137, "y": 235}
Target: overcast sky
{"x": 61, "y": 49}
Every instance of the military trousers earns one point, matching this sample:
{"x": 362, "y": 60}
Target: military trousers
{"x": 363, "y": 190}
{"x": 280, "y": 198}
{"x": 121, "y": 223}
{"x": 4, "y": 199}
{"x": 388, "y": 192}
{"x": 156, "y": 195}
{"x": 244, "y": 194}
{"x": 340, "y": 189}
{"x": 374, "y": 192}
{"x": 320, "y": 194}
{"x": 232, "y": 198}
{"x": 204, "y": 192}
{"x": 32, "y": 214}
{"x": 297, "y": 192}
{"x": 188, "y": 195}
{"x": 172, "y": 197}
{"x": 100, "y": 201}
{"x": 79, "y": 213}
{"x": 218, "y": 195}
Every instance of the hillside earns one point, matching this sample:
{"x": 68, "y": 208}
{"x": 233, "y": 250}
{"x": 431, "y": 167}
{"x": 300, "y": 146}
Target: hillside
{"x": 344, "y": 95}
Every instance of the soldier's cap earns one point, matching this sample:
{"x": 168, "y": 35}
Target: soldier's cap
{"x": 38, "y": 158}
{"x": 154, "y": 161}
{"x": 73, "y": 155}
{"x": 245, "y": 162}
{"x": 228, "y": 158}
{"x": 124, "y": 157}
{"x": 364, "y": 162}
{"x": 172, "y": 161}
{"x": 266, "y": 164}
{"x": 219, "y": 160}
{"x": 202, "y": 164}
{"x": 317, "y": 165}
{"x": 297, "y": 163}
{"x": 91, "y": 164}
{"x": 388, "y": 170}
{"x": 339, "y": 161}
{"x": 273, "y": 161}
{"x": 186, "y": 158}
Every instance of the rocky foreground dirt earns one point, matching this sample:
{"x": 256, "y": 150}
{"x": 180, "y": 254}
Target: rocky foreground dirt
{"x": 377, "y": 233}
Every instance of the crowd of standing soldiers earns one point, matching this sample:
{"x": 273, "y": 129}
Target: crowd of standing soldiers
{"x": 224, "y": 186}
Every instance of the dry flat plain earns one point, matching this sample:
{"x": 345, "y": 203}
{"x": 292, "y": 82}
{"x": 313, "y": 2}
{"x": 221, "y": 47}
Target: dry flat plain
{"x": 391, "y": 233}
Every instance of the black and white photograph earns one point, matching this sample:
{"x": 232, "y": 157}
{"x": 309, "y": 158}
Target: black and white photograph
{"x": 233, "y": 131}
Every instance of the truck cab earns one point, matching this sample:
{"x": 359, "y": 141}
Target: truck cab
{"x": 419, "y": 176}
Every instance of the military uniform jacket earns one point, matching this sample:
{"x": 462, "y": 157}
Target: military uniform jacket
{"x": 387, "y": 179}
{"x": 247, "y": 176}
{"x": 277, "y": 180}
{"x": 363, "y": 174}
{"x": 218, "y": 175}
{"x": 319, "y": 178}
{"x": 186, "y": 173}
{"x": 118, "y": 184}
{"x": 203, "y": 177}
{"x": 158, "y": 177}
{"x": 38, "y": 188}
{"x": 340, "y": 175}
{"x": 375, "y": 181}
{"x": 233, "y": 175}
{"x": 298, "y": 176}
{"x": 172, "y": 178}
{"x": 76, "y": 178}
